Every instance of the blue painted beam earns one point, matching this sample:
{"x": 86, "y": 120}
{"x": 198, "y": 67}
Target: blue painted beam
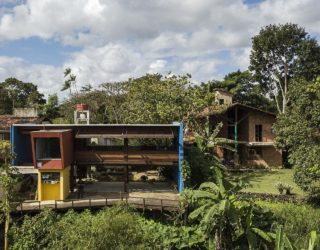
{"x": 181, "y": 156}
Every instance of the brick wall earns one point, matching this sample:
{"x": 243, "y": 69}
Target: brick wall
{"x": 266, "y": 120}
{"x": 272, "y": 157}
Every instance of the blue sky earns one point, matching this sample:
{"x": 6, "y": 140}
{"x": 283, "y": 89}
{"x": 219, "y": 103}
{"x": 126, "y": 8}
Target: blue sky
{"x": 106, "y": 40}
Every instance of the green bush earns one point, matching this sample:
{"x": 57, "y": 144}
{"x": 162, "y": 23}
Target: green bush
{"x": 298, "y": 220}
{"x": 113, "y": 228}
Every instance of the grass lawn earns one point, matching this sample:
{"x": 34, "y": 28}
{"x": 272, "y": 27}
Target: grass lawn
{"x": 264, "y": 181}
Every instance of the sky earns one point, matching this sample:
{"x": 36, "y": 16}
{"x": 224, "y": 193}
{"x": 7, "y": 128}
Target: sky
{"x": 113, "y": 40}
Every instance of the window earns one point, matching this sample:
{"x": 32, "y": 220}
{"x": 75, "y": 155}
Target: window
{"x": 48, "y": 148}
{"x": 50, "y": 178}
{"x": 221, "y": 101}
{"x": 258, "y": 132}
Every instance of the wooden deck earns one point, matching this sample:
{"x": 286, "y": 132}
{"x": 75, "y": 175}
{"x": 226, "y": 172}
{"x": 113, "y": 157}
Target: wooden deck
{"x": 92, "y": 203}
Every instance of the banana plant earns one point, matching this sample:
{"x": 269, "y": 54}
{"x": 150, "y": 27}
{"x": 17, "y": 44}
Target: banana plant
{"x": 283, "y": 243}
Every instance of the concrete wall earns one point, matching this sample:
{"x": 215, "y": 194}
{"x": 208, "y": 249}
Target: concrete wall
{"x": 25, "y": 112}
{"x": 266, "y": 120}
{"x": 222, "y": 95}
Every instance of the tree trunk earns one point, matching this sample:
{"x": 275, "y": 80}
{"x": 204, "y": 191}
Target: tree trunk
{"x": 218, "y": 240}
{"x": 6, "y": 223}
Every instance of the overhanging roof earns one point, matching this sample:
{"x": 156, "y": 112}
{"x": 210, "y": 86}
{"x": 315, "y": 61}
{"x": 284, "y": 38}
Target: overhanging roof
{"x": 220, "y": 109}
{"x": 108, "y": 130}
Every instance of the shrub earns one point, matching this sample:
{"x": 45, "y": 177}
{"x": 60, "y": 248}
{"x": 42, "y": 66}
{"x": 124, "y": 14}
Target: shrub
{"x": 298, "y": 220}
{"x": 288, "y": 188}
{"x": 112, "y": 228}
{"x": 284, "y": 187}
{"x": 280, "y": 187}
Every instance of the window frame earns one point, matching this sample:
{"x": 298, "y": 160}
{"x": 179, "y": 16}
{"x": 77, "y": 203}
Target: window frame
{"x": 258, "y": 133}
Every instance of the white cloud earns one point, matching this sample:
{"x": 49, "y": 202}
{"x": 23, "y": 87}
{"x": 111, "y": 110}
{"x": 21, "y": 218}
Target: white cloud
{"x": 48, "y": 78}
{"x": 127, "y": 38}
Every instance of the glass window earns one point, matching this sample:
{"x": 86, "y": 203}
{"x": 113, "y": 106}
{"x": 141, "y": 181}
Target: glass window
{"x": 48, "y": 148}
{"x": 50, "y": 178}
{"x": 221, "y": 101}
{"x": 258, "y": 133}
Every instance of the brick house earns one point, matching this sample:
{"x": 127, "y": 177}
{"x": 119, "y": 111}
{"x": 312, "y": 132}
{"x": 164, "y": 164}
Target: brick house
{"x": 250, "y": 130}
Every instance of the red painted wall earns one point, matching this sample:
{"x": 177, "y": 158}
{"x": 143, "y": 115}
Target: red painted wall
{"x": 66, "y": 148}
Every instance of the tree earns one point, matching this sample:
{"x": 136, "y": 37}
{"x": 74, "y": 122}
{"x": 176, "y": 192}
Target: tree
{"x": 97, "y": 105}
{"x": 281, "y": 53}
{"x": 21, "y": 94}
{"x": 70, "y": 81}
{"x": 154, "y": 98}
{"x": 5, "y": 102}
{"x": 8, "y": 180}
{"x": 115, "y": 97}
{"x": 245, "y": 90}
{"x": 50, "y": 110}
{"x": 226, "y": 223}
{"x": 298, "y": 131}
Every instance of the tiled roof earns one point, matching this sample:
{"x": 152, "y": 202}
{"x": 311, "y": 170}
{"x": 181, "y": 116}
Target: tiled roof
{"x": 7, "y": 120}
{"x": 218, "y": 109}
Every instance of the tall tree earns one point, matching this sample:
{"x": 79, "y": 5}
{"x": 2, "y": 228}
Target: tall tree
{"x": 154, "y": 98}
{"x": 298, "y": 131}
{"x": 8, "y": 180}
{"x": 22, "y": 94}
{"x": 115, "y": 97}
{"x": 279, "y": 54}
{"x": 70, "y": 81}
{"x": 5, "y": 102}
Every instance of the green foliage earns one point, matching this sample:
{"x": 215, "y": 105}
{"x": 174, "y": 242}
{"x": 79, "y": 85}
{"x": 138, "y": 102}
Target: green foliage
{"x": 97, "y": 105}
{"x": 298, "y": 220}
{"x": 70, "y": 81}
{"x": 50, "y": 110}
{"x": 8, "y": 180}
{"x": 226, "y": 223}
{"x": 18, "y": 94}
{"x": 203, "y": 164}
{"x": 245, "y": 91}
{"x": 114, "y": 228}
{"x": 282, "y": 242}
{"x": 281, "y": 53}
{"x": 5, "y": 102}
{"x": 173, "y": 237}
{"x": 298, "y": 132}
{"x": 162, "y": 99}
{"x": 152, "y": 98}
{"x": 34, "y": 232}
{"x": 284, "y": 187}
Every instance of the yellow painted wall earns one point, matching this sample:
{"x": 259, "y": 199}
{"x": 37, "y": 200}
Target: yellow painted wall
{"x": 65, "y": 183}
{"x": 59, "y": 191}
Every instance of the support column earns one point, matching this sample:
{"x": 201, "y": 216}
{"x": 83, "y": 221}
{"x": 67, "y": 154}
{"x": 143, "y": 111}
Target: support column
{"x": 126, "y": 178}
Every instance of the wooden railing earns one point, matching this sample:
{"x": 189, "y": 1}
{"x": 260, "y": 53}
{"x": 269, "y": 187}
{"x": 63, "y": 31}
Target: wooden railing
{"x": 89, "y": 203}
